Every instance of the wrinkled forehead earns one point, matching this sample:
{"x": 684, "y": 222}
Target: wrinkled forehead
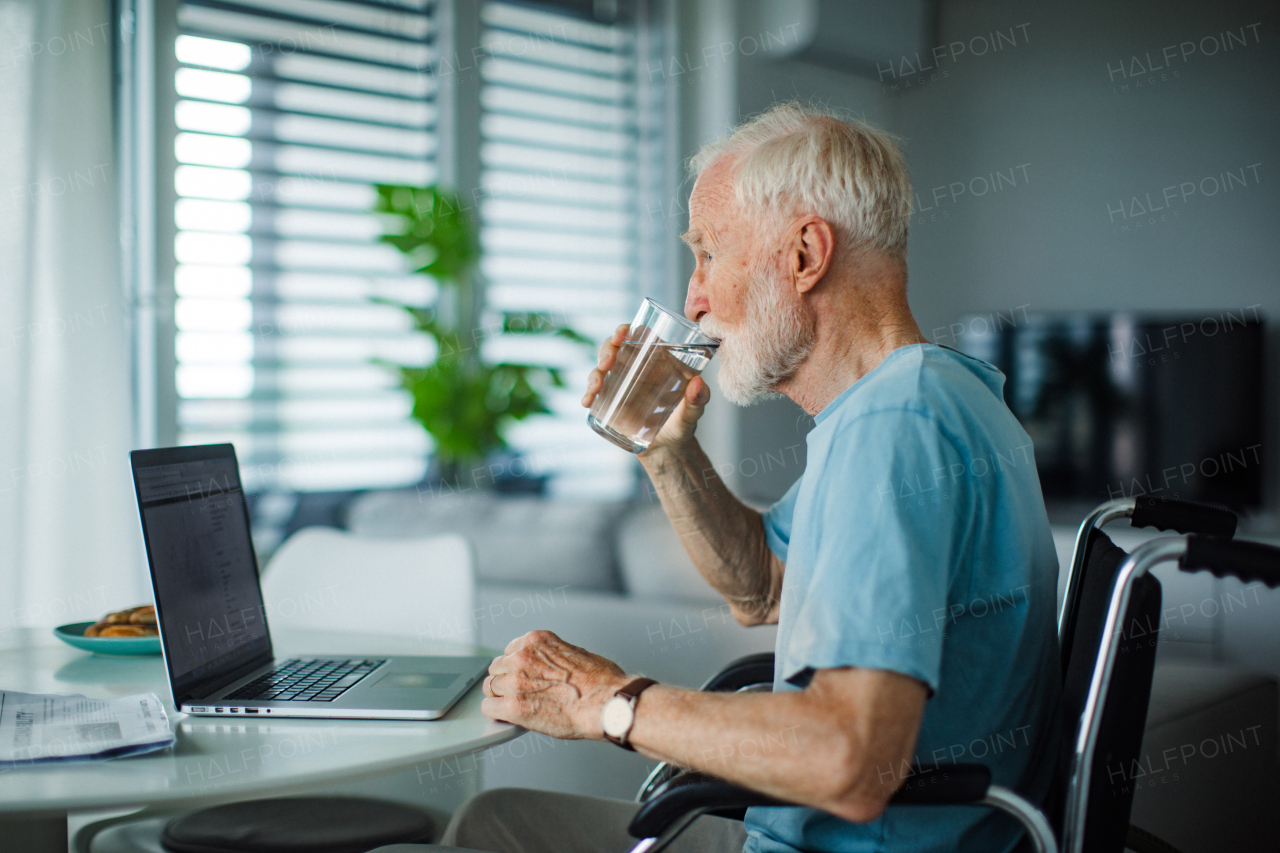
{"x": 712, "y": 200}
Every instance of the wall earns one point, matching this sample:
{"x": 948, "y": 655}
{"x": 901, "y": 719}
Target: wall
{"x": 1080, "y": 136}
{"x": 702, "y": 77}
{"x": 1084, "y": 138}
{"x": 1031, "y": 136}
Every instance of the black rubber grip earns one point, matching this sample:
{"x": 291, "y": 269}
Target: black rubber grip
{"x": 1183, "y": 516}
{"x": 1247, "y": 561}
{"x": 685, "y": 793}
{"x": 944, "y": 785}
{"x": 941, "y": 785}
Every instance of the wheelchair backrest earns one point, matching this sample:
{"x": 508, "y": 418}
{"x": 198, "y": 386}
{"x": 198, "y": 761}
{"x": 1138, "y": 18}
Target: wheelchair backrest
{"x": 1119, "y": 743}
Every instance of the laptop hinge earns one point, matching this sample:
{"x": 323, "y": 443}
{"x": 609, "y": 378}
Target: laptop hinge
{"x": 212, "y": 687}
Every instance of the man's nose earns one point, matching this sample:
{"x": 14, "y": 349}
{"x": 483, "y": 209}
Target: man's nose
{"x": 696, "y": 305}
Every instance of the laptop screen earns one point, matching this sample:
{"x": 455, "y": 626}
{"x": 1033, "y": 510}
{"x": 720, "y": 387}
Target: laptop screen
{"x": 196, "y": 524}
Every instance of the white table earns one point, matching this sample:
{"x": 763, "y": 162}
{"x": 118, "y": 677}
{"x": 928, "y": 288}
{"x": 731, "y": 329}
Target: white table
{"x": 215, "y": 759}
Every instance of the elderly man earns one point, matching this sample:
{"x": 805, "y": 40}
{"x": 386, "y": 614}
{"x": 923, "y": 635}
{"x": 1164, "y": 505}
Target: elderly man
{"x": 911, "y": 571}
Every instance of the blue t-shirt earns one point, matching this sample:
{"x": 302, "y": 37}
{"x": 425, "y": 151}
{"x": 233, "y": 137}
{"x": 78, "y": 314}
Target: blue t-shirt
{"x": 916, "y": 541}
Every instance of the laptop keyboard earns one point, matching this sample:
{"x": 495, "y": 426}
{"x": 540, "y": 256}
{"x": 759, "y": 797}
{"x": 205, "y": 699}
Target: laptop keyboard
{"x": 306, "y": 680}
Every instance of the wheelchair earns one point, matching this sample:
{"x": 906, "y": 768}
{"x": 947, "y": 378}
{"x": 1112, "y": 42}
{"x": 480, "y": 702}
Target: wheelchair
{"x": 1106, "y": 688}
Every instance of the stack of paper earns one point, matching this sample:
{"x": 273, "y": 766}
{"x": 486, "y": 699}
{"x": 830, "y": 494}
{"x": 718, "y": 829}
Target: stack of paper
{"x": 37, "y": 728}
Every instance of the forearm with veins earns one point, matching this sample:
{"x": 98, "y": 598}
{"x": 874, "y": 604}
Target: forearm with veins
{"x": 723, "y": 536}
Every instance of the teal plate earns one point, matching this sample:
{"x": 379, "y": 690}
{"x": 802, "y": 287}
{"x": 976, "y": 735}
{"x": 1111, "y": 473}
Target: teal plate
{"x": 73, "y": 635}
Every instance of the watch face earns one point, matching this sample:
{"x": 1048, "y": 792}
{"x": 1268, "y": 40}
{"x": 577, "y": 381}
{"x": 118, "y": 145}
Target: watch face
{"x": 616, "y": 717}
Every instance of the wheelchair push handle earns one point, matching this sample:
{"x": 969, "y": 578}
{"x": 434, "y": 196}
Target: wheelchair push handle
{"x": 1183, "y": 517}
{"x": 1247, "y": 561}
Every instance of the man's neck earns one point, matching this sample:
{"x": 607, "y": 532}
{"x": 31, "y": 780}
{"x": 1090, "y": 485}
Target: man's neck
{"x": 858, "y": 325}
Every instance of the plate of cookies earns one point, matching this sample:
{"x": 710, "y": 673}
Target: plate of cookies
{"x": 124, "y": 632}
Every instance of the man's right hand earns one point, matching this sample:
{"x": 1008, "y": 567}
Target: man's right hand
{"x": 724, "y": 537}
{"x": 679, "y": 428}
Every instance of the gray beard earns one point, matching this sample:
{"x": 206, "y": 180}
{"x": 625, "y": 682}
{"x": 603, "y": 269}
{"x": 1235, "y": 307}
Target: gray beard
{"x": 767, "y": 350}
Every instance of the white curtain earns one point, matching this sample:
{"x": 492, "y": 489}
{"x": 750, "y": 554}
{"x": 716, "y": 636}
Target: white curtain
{"x": 70, "y": 547}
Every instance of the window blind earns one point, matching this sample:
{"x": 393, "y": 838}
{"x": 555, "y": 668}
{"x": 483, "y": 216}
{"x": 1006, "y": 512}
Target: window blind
{"x": 565, "y": 143}
{"x": 288, "y": 112}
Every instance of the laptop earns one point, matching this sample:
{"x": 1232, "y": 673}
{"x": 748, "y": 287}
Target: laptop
{"x": 213, "y": 621}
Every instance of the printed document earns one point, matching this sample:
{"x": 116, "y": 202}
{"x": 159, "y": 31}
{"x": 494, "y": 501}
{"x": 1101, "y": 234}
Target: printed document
{"x": 39, "y": 728}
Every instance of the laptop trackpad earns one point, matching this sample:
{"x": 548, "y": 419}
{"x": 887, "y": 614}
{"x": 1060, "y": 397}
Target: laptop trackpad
{"x": 418, "y": 680}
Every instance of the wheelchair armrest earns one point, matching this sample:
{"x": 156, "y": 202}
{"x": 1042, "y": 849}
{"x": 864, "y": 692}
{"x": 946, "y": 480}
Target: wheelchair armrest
{"x": 946, "y": 784}
{"x": 689, "y": 792}
{"x": 746, "y": 671}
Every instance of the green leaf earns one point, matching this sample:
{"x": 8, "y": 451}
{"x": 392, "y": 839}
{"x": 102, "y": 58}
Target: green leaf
{"x": 434, "y": 229}
{"x": 465, "y": 405}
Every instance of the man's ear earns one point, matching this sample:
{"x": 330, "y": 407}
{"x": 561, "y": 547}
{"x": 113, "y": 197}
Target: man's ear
{"x": 813, "y": 246}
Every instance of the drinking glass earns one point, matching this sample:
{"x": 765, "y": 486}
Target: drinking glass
{"x": 661, "y": 355}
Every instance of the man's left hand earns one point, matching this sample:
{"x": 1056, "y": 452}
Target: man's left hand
{"x": 547, "y": 685}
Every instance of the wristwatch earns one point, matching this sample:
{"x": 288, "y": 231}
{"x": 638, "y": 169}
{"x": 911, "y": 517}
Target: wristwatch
{"x": 619, "y": 713}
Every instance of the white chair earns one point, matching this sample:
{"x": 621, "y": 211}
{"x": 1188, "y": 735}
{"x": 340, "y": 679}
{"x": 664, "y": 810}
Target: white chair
{"x": 330, "y": 579}
{"x": 322, "y": 578}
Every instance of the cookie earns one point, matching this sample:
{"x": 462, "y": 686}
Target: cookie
{"x": 143, "y": 616}
{"x": 131, "y": 622}
{"x": 127, "y": 631}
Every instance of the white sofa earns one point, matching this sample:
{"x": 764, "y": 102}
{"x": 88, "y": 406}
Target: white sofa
{"x": 607, "y": 576}
{"x": 613, "y": 578}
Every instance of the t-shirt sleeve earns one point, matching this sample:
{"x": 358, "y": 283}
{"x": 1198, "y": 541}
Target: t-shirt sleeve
{"x": 890, "y": 511}
{"x": 777, "y": 522}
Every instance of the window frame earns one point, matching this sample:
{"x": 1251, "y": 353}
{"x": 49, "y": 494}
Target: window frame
{"x": 146, "y": 129}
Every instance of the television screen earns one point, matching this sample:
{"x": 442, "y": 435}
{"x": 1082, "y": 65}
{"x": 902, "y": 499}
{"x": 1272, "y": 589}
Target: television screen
{"x": 1123, "y": 405}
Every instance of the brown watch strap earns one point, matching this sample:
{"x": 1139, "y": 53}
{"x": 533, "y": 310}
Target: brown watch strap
{"x": 635, "y": 687}
{"x": 632, "y": 691}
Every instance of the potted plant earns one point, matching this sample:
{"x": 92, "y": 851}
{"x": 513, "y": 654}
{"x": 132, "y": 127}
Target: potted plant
{"x": 466, "y": 404}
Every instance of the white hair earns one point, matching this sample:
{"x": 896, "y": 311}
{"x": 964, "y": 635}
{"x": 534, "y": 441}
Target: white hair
{"x": 791, "y": 160}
